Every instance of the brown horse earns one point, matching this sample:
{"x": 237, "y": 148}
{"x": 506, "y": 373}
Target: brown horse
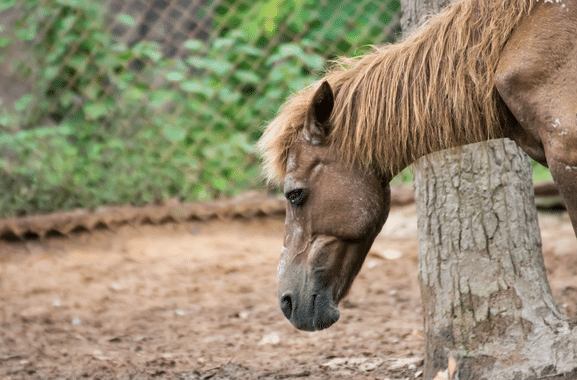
{"x": 482, "y": 69}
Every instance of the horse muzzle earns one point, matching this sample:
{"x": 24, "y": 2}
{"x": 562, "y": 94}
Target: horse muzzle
{"x": 312, "y": 314}
{"x": 306, "y": 305}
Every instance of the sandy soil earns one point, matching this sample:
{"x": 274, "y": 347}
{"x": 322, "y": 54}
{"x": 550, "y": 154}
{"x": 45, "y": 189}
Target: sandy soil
{"x": 198, "y": 301}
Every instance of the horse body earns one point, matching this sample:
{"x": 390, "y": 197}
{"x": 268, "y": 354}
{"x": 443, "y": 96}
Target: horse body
{"x": 338, "y": 144}
{"x": 537, "y": 80}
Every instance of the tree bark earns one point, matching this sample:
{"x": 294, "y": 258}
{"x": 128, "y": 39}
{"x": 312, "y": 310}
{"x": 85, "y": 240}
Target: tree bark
{"x": 486, "y": 298}
{"x": 485, "y": 293}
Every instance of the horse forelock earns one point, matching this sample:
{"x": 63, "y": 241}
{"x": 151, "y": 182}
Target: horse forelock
{"x": 433, "y": 91}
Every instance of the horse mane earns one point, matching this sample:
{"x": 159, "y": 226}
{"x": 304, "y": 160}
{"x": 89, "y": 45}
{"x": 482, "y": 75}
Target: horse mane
{"x": 433, "y": 91}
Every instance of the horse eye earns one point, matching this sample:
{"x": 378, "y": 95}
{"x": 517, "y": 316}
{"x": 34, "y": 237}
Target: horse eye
{"x": 296, "y": 197}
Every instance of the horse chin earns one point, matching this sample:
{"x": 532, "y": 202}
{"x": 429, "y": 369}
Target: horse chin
{"x": 326, "y": 313}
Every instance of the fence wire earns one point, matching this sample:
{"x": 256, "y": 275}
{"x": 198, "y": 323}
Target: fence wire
{"x": 163, "y": 96}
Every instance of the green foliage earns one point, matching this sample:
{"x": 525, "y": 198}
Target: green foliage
{"x": 236, "y": 86}
{"x": 540, "y": 173}
{"x": 109, "y": 124}
{"x": 405, "y": 176}
{"x": 357, "y": 23}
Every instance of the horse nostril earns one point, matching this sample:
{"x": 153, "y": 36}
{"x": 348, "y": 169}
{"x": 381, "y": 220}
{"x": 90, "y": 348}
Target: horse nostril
{"x": 286, "y": 305}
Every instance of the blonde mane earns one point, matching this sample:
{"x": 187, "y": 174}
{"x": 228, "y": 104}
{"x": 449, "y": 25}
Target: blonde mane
{"x": 431, "y": 92}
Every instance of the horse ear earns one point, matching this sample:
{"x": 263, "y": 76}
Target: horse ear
{"x": 317, "y": 125}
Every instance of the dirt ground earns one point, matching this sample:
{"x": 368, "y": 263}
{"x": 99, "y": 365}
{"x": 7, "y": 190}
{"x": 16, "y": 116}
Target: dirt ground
{"x": 198, "y": 301}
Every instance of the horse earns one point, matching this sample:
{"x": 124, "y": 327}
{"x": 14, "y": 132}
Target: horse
{"x": 479, "y": 70}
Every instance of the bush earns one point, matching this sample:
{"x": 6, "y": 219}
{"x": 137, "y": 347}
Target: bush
{"x": 108, "y": 124}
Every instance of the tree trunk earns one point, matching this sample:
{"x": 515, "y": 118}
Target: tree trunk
{"x": 485, "y": 293}
{"x": 486, "y": 299}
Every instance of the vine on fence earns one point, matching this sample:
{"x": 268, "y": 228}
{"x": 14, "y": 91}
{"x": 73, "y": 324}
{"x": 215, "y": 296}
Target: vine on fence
{"x": 112, "y": 124}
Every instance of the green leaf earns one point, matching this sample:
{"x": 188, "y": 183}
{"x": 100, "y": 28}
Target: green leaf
{"x": 291, "y": 49}
{"x": 95, "y": 110}
{"x": 126, "y": 19}
{"x": 221, "y": 43}
{"x": 274, "y": 58}
{"x": 92, "y": 91}
{"x": 229, "y": 96}
{"x": 237, "y": 34}
{"x": 50, "y": 72}
{"x": 315, "y": 61}
{"x": 125, "y": 56}
{"x": 246, "y": 76}
{"x": 193, "y": 45}
{"x": 160, "y": 97}
{"x": 275, "y": 93}
{"x": 78, "y": 62}
{"x": 135, "y": 93}
{"x": 174, "y": 133}
{"x": 22, "y": 103}
{"x": 200, "y": 63}
{"x": 153, "y": 54}
{"x": 174, "y": 76}
{"x": 127, "y": 77}
{"x": 250, "y": 50}
{"x": 219, "y": 67}
{"x": 197, "y": 88}
{"x": 240, "y": 140}
{"x": 67, "y": 24}
{"x": 219, "y": 183}
{"x": 276, "y": 75}
{"x": 191, "y": 86}
{"x": 56, "y": 55}
{"x": 66, "y": 99}
{"x": 26, "y": 34}
{"x": 5, "y": 4}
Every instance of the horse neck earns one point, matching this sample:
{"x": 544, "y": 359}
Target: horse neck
{"x": 432, "y": 92}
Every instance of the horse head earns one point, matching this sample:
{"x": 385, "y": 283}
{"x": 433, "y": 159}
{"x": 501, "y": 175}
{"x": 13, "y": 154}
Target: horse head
{"x": 334, "y": 212}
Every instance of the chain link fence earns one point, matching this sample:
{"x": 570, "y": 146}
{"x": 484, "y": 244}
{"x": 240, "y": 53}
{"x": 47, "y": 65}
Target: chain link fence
{"x": 115, "y": 102}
